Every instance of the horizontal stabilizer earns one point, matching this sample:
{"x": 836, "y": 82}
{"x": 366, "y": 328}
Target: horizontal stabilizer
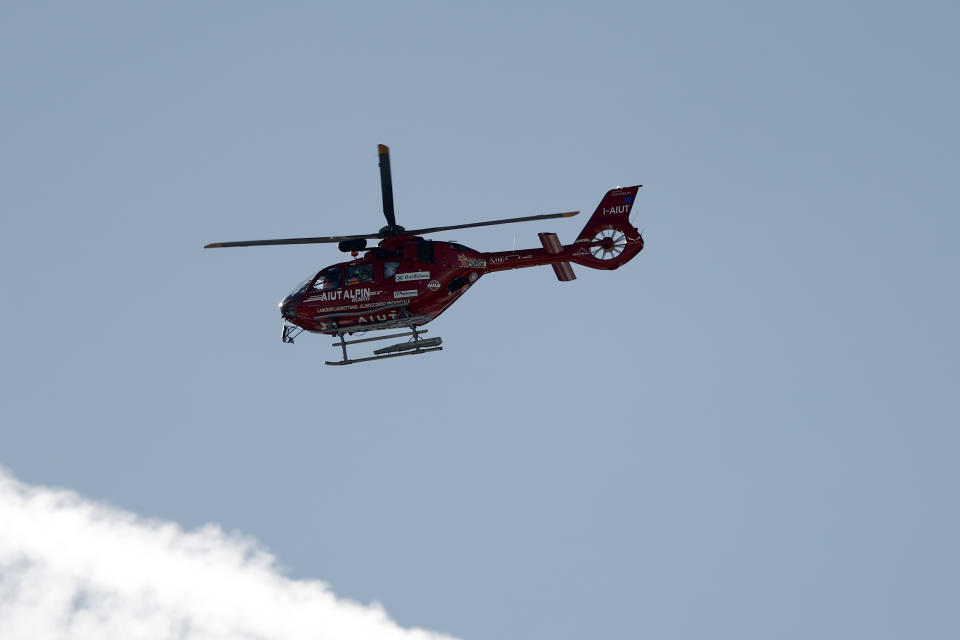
{"x": 564, "y": 271}
{"x": 551, "y": 244}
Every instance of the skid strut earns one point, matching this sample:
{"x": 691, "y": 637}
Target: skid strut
{"x": 289, "y": 333}
{"x": 412, "y": 347}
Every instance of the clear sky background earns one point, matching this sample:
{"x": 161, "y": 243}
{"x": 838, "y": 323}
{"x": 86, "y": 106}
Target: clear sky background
{"x": 749, "y": 431}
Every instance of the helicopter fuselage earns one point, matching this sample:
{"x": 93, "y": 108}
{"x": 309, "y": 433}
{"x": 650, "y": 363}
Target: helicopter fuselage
{"x": 408, "y": 276}
{"x": 407, "y": 281}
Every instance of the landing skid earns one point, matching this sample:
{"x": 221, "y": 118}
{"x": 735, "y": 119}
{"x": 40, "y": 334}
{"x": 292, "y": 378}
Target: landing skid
{"x": 400, "y": 322}
{"x": 415, "y": 346}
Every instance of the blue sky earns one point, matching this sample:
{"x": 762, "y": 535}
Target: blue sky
{"x": 748, "y": 431}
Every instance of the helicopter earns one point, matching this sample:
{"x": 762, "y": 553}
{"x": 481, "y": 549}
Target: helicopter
{"x": 406, "y": 281}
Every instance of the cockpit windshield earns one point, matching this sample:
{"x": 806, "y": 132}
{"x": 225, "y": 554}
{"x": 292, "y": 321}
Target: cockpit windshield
{"x": 327, "y": 279}
{"x": 301, "y": 288}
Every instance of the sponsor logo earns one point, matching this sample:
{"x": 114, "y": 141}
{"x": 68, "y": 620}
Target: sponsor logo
{"x": 409, "y": 293}
{"x": 473, "y": 276}
{"x": 471, "y": 262}
{"x": 433, "y": 285}
{"x": 414, "y": 275}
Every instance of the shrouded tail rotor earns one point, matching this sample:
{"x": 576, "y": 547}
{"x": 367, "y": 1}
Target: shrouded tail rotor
{"x": 609, "y": 239}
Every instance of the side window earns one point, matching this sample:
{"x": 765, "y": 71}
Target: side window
{"x": 387, "y": 254}
{"x": 328, "y": 279}
{"x": 425, "y": 251}
{"x": 359, "y": 273}
{"x": 390, "y": 269}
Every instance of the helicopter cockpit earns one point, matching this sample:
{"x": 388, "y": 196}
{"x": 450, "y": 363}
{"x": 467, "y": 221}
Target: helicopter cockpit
{"x": 289, "y": 305}
{"x": 327, "y": 279}
{"x": 301, "y": 288}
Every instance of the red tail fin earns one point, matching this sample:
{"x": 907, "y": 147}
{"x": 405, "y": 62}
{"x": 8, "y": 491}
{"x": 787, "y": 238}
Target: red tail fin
{"x": 609, "y": 239}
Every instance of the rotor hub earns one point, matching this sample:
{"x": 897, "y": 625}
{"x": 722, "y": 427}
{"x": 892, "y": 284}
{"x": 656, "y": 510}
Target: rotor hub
{"x": 391, "y": 230}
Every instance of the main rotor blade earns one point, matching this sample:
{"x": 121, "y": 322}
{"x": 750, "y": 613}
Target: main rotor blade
{"x": 386, "y": 185}
{"x": 261, "y": 243}
{"x": 545, "y": 216}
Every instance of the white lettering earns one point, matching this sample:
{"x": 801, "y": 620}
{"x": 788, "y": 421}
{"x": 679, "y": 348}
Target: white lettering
{"x": 357, "y": 295}
{"x": 354, "y": 295}
{"x": 623, "y": 208}
{"x": 379, "y": 317}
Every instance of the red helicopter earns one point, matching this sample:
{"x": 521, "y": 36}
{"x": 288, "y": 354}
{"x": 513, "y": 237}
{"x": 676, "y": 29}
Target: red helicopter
{"x": 407, "y": 281}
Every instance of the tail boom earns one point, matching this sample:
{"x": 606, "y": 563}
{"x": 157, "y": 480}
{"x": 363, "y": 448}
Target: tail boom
{"x": 608, "y": 241}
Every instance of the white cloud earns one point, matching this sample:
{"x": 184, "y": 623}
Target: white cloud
{"x": 72, "y": 568}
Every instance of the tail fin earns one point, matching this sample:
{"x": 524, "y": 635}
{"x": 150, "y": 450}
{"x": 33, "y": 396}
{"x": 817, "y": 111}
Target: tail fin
{"x": 609, "y": 239}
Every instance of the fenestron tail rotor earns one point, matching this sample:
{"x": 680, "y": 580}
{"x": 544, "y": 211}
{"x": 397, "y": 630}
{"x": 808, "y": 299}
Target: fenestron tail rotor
{"x": 611, "y": 244}
{"x": 358, "y": 242}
